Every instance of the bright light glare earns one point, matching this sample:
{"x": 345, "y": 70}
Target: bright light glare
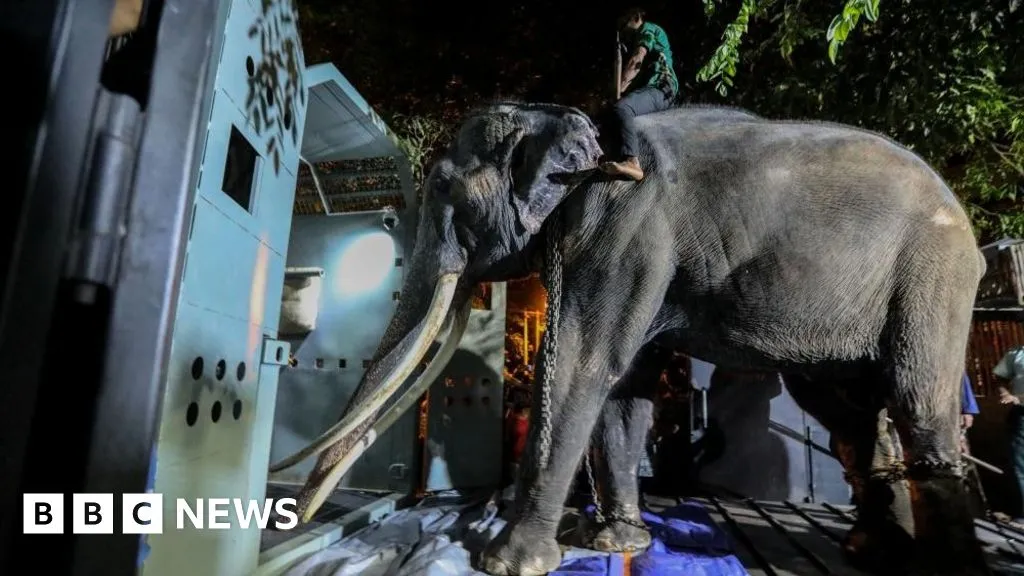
{"x": 365, "y": 264}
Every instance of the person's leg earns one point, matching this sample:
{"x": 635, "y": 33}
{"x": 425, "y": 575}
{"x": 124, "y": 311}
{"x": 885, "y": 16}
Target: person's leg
{"x": 644, "y": 101}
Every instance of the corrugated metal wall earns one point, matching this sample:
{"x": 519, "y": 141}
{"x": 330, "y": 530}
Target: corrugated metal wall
{"x": 990, "y": 339}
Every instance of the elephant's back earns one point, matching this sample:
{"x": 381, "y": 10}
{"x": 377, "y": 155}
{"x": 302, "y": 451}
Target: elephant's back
{"x": 721, "y": 152}
{"x": 795, "y": 225}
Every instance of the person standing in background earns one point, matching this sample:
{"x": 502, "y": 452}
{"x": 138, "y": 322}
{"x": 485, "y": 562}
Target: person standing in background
{"x": 1011, "y": 369}
{"x": 968, "y": 404}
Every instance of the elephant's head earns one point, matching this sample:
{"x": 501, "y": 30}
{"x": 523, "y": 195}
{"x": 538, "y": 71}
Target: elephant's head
{"x": 506, "y": 172}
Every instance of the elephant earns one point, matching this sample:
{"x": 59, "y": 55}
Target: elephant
{"x": 825, "y": 253}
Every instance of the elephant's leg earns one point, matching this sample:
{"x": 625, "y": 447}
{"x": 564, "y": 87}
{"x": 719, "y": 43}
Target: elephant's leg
{"x": 928, "y": 426}
{"x": 863, "y": 443}
{"x": 597, "y": 335}
{"x": 618, "y": 444}
{"x": 924, "y": 354}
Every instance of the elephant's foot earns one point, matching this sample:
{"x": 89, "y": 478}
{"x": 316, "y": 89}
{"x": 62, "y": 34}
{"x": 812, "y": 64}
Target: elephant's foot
{"x": 614, "y": 535}
{"x": 878, "y": 544}
{"x": 521, "y": 551}
{"x": 873, "y": 554}
{"x": 945, "y": 537}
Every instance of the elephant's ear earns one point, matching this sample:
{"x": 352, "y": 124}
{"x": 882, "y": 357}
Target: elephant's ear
{"x": 545, "y": 165}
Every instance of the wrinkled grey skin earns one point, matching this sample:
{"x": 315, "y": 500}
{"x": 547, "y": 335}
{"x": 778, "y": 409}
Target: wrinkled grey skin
{"x": 822, "y": 252}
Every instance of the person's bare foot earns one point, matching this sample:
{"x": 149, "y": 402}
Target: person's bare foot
{"x": 628, "y": 168}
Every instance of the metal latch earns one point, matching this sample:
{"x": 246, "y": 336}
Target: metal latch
{"x": 276, "y": 352}
{"x": 397, "y": 471}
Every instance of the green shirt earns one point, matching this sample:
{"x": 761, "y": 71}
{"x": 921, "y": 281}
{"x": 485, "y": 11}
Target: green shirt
{"x": 657, "y": 68}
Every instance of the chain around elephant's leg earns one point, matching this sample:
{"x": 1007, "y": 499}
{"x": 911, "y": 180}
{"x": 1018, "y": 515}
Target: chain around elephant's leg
{"x": 619, "y": 442}
{"x": 598, "y": 337}
{"x": 860, "y": 439}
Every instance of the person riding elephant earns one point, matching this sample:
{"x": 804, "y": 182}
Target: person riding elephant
{"x": 825, "y": 253}
{"x": 648, "y": 84}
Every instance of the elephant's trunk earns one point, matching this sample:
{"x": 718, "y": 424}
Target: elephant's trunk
{"x": 414, "y": 327}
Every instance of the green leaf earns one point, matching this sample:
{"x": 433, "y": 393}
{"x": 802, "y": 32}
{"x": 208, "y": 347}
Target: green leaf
{"x": 832, "y": 28}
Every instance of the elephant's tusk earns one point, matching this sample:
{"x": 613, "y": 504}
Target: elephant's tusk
{"x": 430, "y": 374}
{"x": 326, "y": 486}
{"x": 443, "y": 293}
{"x": 406, "y": 401}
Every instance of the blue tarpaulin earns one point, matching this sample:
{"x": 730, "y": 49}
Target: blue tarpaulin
{"x": 439, "y": 540}
{"x": 685, "y": 540}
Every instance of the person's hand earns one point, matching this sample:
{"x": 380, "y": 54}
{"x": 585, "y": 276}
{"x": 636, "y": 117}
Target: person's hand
{"x": 1007, "y": 398}
{"x": 966, "y": 421}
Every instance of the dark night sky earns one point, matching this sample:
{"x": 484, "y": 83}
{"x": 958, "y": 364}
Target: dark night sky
{"x": 417, "y": 56}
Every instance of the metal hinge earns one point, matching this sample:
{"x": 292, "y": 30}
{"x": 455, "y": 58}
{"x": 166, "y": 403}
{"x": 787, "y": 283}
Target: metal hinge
{"x": 101, "y": 225}
{"x": 276, "y": 352}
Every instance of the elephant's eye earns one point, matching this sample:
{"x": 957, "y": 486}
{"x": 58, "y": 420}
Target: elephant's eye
{"x": 442, "y": 187}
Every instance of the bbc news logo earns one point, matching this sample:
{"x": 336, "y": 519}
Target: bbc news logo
{"x": 144, "y": 513}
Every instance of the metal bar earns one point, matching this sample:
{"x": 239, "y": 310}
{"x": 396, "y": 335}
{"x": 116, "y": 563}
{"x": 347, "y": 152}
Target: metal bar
{"x": 793, "y": 434}
{"x": 980, "y": 462}
{"x": 796, "y": 544}
{"x": 302, "y": 272}
{"x": 997, "y": 529}
{"x": 280, "y": 558}
{"x": 348, "y": 174}
{"x": 814, "y": 522}
{"x": 809, "y": 452}
{"x": 144, "y": 304}
{"x": 1011, "y": 527}
{"x": 361, "y": 212}
{"x": 317, "y": 184}
{"x": 743, "y": 538}
{"x": 840, "y": 513}
{"x": 60, "y": 48}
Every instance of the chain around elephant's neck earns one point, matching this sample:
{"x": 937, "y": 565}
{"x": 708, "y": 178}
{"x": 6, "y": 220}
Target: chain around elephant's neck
{"x": 553, "y": 279}
{"x": 553, "y": 282}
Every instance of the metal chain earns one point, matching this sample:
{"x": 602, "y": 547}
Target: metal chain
{"x": 554, "y": 289}
{"x": 598, "y": 511}
{"x": 554, "y": 286}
